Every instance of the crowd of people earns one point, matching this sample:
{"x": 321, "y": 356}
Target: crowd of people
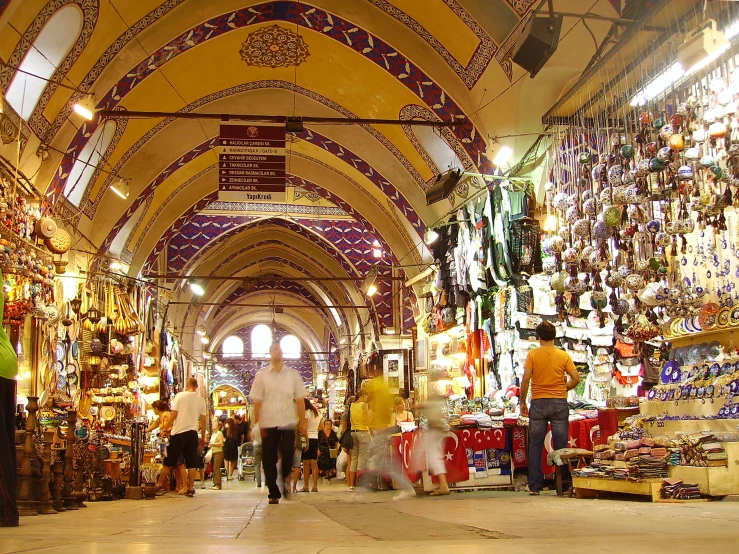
{"x": 287, "y": 435}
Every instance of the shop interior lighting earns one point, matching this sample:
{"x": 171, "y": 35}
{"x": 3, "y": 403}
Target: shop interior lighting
{"x": 204, "y": 340}
{"x": 201, "y": 331}
{"x": 388, "y": 331}
{"x": 121, "y": 188}
{"x": 550, "y": 224}
{"x": 503, "y": 156}
{"x": 368, "y": 285}
{"x": 705, "y": 45}
{"x": 430, "y": 237}
{"x": 85, "y": 107}
{"x": 115, "y": 265}
{"x": 206, "y": 355}
{"x": 196, "y": 287}
{"x": 218, "y": 413}
{"x": 222, "y": 394}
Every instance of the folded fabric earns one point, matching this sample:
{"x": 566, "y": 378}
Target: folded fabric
{"x": 647, "y": 441}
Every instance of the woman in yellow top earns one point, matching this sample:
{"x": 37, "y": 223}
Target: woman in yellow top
{"x": 359, "y": 417}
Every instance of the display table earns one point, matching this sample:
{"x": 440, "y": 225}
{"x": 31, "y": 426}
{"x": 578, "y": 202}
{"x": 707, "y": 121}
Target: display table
{"x": 581, "y": 435}
{"x": 474, "y": 458}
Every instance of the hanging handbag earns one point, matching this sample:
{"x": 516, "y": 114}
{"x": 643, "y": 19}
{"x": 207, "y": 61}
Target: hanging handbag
{"x": 347, "y": 441}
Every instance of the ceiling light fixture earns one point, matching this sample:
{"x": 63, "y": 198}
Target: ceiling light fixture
{"x": 85, "y": 107}
{"x": 503, "y": 156}
{"x": 705, "y": 44}
{"x": 121, "y": 188}
{"x": 368, "y": 285}
{"x": 430, "y": 237}
{"x": 115, "y": 265}
{"x": 206, "y": 355}
{"x": 196, "y": 287}
{"x": 204, "y": 340}
{"x": 201, "y": 331}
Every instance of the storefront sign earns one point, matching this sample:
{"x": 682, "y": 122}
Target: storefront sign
{"x": 252, "y": 159}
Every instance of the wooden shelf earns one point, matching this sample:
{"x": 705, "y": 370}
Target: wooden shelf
{"x": 699, "y": 334}
{"x": 589, "y": 487}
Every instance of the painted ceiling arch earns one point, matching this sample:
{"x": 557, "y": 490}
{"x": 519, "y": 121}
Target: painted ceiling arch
{"x": 437, "y": 59}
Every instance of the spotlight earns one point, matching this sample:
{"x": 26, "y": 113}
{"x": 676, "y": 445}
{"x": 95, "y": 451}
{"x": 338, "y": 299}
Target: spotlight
{"x": 196, "y": 287}
{"x": 115, "y": 265}
{"x": 204, "y": 340}
{"x": 201, "y": 331}
{"x": 121, "y": 188}
{"x": 85, "y": 106}
{"x": 368, "y": 285}
{"x": 430, "y": 237}
{"x": 502, "y": 157}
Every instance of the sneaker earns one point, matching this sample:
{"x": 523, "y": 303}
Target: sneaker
{"x": 202, "y": 486}
{"x": 274, "y": 500}
{"x": 215, "y": 487}
{"x": 533, "y": 493}
{"x": 352, "y": 489}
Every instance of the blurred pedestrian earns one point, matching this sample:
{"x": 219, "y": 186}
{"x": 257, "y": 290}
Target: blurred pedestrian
{"x": 359, "y": 419}
{"x": 278, "y": 393}
{"x": 257, "y": 441}
{"x": 9, "y": 516}
{"x": 310, "y": 455}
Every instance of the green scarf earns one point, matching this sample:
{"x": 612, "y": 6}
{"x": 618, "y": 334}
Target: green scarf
{"x": 8, "y": 358}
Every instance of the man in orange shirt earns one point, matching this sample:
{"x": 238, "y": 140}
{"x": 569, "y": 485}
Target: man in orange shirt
{"x": 546, "y": 368}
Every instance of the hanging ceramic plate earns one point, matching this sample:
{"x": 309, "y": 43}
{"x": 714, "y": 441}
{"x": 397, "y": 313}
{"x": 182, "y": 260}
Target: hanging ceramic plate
{"x": 61, "y": 381}
{"x": 71, "y": 368}
{"x": 60, "y": 366}
{"x": 44, "y": 398}
{"x": 722, "y": 320}
{"x": 59, "y": 351}
{"x": 107, "y": 413}
{"x": 75, "y": 348}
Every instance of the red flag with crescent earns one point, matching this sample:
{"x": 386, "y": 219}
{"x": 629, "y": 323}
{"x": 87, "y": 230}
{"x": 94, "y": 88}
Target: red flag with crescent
{"x": 455, "y": 459}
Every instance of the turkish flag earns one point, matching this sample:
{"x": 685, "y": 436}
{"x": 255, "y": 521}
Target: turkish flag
{"x": 403, "y": 458}
{"x": 455, "y": 458}
{"x": 479, "y": 440}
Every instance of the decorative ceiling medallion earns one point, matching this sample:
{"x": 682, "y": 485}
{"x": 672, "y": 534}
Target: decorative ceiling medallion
{"x": 274, "y": 47}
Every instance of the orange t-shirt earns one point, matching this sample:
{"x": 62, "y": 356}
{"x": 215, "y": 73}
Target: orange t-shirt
{"x": 548, "y": 366}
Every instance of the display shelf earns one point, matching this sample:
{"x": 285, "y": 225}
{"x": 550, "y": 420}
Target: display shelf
{"x": 589, "y": 487}
{"x": 694, "y": 407}
{"x": 697, "y": 335}
{"x": 712, "y": 481}
{"x": 671, "y": 427}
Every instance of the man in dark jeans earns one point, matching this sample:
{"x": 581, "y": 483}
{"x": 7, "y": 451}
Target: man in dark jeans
{"x": 278, "y": 393}
{"x": 8, "y": 463}
{"x": 546, "y": 369}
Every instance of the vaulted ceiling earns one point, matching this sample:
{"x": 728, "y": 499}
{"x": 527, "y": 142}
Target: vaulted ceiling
{"x": 355, "y": 193}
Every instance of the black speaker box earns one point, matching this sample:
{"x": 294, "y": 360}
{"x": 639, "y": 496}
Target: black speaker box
{"x": 443, "y": 186}
{"x": 537, "y": 43}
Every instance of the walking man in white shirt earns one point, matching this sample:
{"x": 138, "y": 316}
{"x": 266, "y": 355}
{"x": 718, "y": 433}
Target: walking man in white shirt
{"x": 188, "y": 416}
{"x": 277, "y": 394}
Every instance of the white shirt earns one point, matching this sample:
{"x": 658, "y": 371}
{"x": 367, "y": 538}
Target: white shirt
{"x": 277, "y": 391}
{"x": 313, "y": 421}
{"x": 189, "y": 407}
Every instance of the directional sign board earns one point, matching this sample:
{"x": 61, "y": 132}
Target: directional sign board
{"x": 251, "y": 158}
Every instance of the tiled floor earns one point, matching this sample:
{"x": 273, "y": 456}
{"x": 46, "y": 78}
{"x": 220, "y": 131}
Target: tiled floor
{"x": 238, "y": 519}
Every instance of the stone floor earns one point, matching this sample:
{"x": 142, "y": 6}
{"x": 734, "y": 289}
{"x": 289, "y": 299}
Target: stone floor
{"x": 238, "y": 519}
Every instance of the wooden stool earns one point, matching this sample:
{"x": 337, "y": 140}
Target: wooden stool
{"x": 575, "y": 460}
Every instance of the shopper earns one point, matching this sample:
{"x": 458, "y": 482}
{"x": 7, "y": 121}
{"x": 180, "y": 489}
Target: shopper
{"x": 243, "y": 427}
{"x": 230, "y": 447}
{"x": 546, "y": 369}
{"x": 278, "y": 393}
{"x": 328, "y": 444}
{"x": 187, "y": 418}
{"x": 161, "y": 409}
{"x": 216, "y": 459}
{"x": 400, "y": 414}
{"x": 359, "y": 418}
{"x": 310, "y": 455}
{"x": 8, "y": 462}
{"x": 291, "y": 483}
